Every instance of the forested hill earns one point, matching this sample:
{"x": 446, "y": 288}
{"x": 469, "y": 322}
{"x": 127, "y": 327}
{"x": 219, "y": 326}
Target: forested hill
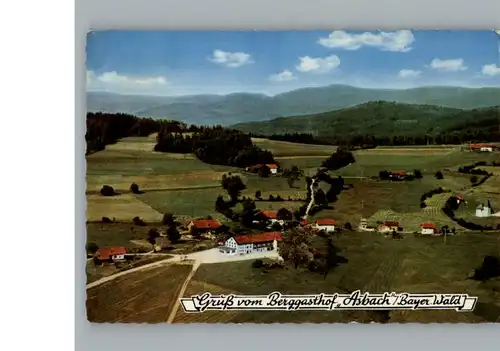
{"x": 246, "y": 107}
{"x": 383, "y": 119}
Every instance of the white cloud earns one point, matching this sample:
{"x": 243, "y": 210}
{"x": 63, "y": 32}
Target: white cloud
{"x": 452, "y": 65}
{"x": 490, "y": 70}
{"x": 284, "y": 76}
{"x": 115, "y": 81}
{"x": 409, "y": 73}
{"x": 318, "y": 64}
{"x": 398, "y": 41}
{"x": 231, "y": 59}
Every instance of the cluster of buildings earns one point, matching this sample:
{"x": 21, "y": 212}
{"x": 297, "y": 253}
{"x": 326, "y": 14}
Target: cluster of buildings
{"x": 482, "y": 147}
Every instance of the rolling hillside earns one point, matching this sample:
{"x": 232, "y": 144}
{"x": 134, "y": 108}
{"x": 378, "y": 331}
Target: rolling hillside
{"x": 378, "y": 118}
{"x": 243, "y": 107}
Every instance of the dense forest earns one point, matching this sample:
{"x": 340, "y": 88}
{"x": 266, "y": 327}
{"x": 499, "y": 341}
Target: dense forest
{"x": 384, "y": 123}
{"x": 107, "y": 128}
{"x": 211, "y": 144}
{"x": 215, "y": 145}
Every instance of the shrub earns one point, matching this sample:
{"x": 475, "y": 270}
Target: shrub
{"x": 348, "y": 226}
{"x": 257, "y": 264}
{"x": 137, "y": 221}
{"x": 107, "y": 190}
{"x": 134, "y": 188}
{"x": 91, "y": 248}
{"x": 106, "y": 220}
{"x": 473, "y": 179}
{"x": 417, "y": 174}
{"x": 439, "y": 175}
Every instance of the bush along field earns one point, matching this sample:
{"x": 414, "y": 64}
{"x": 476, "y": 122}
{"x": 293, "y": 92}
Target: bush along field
{"x": 148, "y": 191}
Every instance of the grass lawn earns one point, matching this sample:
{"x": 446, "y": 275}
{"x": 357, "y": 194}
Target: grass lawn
{"x": 121, "y": 207}
{"x": 140, "y": 297}
{"x": 185, "y": 204}
{"x": 284, "y": 148}
{"x": 115, "y": 234}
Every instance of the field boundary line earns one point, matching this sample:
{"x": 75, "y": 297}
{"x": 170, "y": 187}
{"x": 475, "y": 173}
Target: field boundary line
{"x": 175, "y": 308}
{"x": 194, "y": 187}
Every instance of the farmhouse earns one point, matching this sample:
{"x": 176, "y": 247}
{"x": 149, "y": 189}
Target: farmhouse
{"x": 484, "y": 210}
{"x": 116, "y": 253}
{"x": 398, "y": 175}
{"x": 428, "y": 229}
{"x": 246, "y": 244}
{"x": 328, "y": 225}
{"x": 482, "y": 147}
{"x": 204, "y": 225}
{"x": 273, "y": 168}
{"x": 272, "y": 217}
{"x": 392, "y": 225}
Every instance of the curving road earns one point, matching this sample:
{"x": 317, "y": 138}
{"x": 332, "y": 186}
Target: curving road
{"x": 201, "y": 257}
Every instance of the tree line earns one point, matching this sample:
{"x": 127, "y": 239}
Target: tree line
{"x": 106, "y": 128}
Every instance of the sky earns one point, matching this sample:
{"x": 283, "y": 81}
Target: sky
{"x": 173, "y": 63}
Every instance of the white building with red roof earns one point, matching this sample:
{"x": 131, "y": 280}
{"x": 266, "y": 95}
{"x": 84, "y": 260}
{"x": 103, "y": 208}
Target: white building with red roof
{"x": 272, "y": 217}
{"x": 116, "y": 253}
{"x": 328, "y": 225}
{"x": 204, "y": 225}
{"x": 250, "y": 243}
{"x": 429, "y": 229}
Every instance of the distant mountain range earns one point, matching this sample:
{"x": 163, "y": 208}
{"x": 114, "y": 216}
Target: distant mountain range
{"x": 243, "y": 107}
{"x": 381, "y": 118}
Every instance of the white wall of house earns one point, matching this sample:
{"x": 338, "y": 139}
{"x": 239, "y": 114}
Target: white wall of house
{"x": 274, "y": 170}
{"x": 118, "y": 257}
{"x": 327, "y": 228}
{"x": 483, "y": 212}
{"x": 427, "y": 231}
{"x": 486, "y": 149}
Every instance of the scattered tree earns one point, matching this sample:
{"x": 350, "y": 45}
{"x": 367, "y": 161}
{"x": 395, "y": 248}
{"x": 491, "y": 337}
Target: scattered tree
{"x": 295, "y": 246}
{"x": 417, "y": 174}
{"x": 293, "y": 174}
{"x": 285, "y": 214}
{"x": 134, "y": 188}
{"x": 348, "y": 226}
{"x": 168, "y": 219}
{"x": 258, "y": 195}
{"x": 439, "y": 175}
{"x": 264, "y": 171}
{"x": 173, "y": 234}
{"x": 91, "y": 248}
{"x": 138, "y": 221}
{"x": 473, "y": 179}
{"x": 233, "y": 185}
{"x": 152, "y": 235}
{"x": 106, "y": 220}
{"x": 338, "y": 159}
{"x": 107, "y": 190}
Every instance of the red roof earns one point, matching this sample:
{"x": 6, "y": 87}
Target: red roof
{"x": 105, "y": 253}
{"x": 391, "y": 223}
{"x": 428, "y": 226}
{"x": 304, "y": 222}
{"x": 460, "y": 197}
{"x": 206, "y": 224}
{"x": 270, "y": 214}
{"x": 399, "y": 172}
{"x": 257, "y": 238}
{"x": 478, "y": 146}
{"x": 272, "y": 166}
{"x": 325, "y": 222}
